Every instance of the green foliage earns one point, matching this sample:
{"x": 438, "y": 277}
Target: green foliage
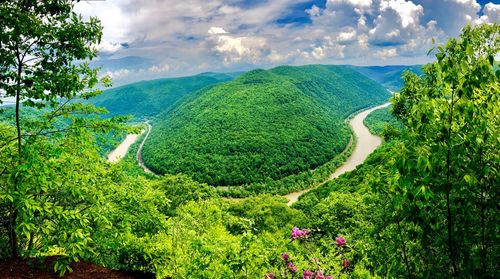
{"x": 180, "y": 189}
{"x": 382, "y": 122}
{"x": 300, "y": 181}
{"x": 263, "y": 126}
{"x": 134, "y": 210}
{"x": 106, "y": 142}
{"x": 448, "y": 167}
{"x": 50, "y": 170}
{"x": 423, "y": 205}
{"x": 266, "y": 212}
{"x": 149, "y": 98}
{"x": 351, "y": 206}
{"x": 57, "y": 184}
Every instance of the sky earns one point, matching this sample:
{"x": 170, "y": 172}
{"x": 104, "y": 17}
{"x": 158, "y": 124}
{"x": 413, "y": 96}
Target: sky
{"x": 145, "y": 39}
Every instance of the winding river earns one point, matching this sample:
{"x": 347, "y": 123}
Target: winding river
{"x": 121, "y": 150}
{"x": 138, "y": 156}
{"x": 366, "y": 143}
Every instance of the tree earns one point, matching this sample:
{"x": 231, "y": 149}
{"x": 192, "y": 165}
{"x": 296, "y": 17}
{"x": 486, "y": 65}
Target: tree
{"x": 449, "y": 161}
{"x": 46, "y": 178}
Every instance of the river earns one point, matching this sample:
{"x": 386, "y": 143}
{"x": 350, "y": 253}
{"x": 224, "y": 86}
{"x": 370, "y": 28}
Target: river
{"x": 366, "y": 143}
{"x": 121, "y": 150}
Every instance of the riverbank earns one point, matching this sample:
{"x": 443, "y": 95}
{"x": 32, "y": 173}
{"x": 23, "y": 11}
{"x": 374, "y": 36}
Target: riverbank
{"x": 366, "y": 143}
{"x": 122, "y": 149}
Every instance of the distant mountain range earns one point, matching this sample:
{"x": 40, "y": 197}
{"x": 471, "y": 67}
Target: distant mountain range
{"x": 388, "y": 76}
{"x": 149, "y": 98}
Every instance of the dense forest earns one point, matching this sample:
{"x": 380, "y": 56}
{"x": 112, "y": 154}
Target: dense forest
{"x": 381, "y": 121}
{"x": 149, "y": 98}
{"x": 424, "y": 205}
{"x": 263, "y": 126}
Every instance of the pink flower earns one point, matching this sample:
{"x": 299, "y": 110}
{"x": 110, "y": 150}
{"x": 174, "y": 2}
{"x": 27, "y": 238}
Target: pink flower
{"x": 340, "y": 241}
{"x": 307, "y": 274}
{"x": 328, "y": 277}
{"x": 297, "y": 233}
{"x": 270, "y": 275}
{"x": 285, "y": 257}
{"x": 346, "y": 263}
{"x": 292, "y": 267}
{"x": 319, "y": 275}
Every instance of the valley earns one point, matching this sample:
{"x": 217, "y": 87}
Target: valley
{"x": 265, "y": 125}
{"x": 226, "y": 151}
{"x": 365, "y": 144}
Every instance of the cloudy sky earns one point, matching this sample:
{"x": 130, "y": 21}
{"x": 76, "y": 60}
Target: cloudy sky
{"x": 146, "y": 39}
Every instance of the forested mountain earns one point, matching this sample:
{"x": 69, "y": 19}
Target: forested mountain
{"x": 423, "y": 205}
{"x": 388, "y": 76}
{"x": 263, "y": 125}
{"x": 148, "y": 98}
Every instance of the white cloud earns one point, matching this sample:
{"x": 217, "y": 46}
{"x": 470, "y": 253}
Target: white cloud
{"x": 226, "y": 9}
{"x": 354, "y": 3}
{"x": 314, "y": 11}
{"x": 491, "y": 13}
{"x": 386, "y": 53}
{"x": 237, "y": 49}
{"x": 119, "y": 74}
{"x": 451, "y": 15}
{"x": 407, "y": 11}
{"x": 216, "y": 31}
{"x": 276, "y": 57}
{"x": 116, "y": 23}
{"x": 347, "y": 36}
{"x": 193, "y": 35}
{"x": 363, "y": 41}
{"x": 162, "y": 68}
{"x": 108, "y": 47}
{"x": 318, "y": 53}
{"x": 397, "y": 22}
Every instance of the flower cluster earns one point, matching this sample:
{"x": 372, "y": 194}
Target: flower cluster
{"x": 340, "y": 241}
{"x": 346, "y": 263}
{"x": 311, "y": 275}
{"x": 291, "y": 267}
{"x": 288, "y": 267}
{"x": 289, "y": 264}
{"x": 297, "y": 233}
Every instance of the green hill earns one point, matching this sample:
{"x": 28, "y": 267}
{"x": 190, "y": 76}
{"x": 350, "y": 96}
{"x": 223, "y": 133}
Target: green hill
{"x": 388, "y": 76}
{"x": 263, "y": 125}
{"x": 149, "y": 98}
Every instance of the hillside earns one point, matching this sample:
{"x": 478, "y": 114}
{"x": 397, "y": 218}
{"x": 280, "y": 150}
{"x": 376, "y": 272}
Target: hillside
{"x": 265, "y": 125}
{"x": 388, "y": 76}
{"x": 148, "y": 98}
{"x": 379, "y": 119}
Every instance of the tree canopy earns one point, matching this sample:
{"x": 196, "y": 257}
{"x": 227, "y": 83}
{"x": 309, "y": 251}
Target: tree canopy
{"x": 50, "y": 171}
{"x": 265, "y": 125}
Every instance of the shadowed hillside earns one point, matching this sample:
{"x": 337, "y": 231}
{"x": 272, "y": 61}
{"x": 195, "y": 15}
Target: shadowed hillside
{"x": 148, "y": 98}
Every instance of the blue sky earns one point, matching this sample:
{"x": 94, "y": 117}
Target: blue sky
{"x": 146, "y": 39}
